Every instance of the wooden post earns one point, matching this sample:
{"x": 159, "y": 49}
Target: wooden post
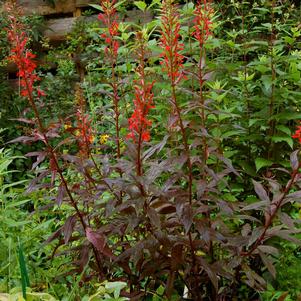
{"x": 77, "y": 12}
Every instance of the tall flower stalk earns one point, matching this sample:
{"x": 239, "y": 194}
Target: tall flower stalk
{"x": 24, "y": 59}
{"x": 139, "y": 123}
{"x": 109, "y": 19}
{"x": 173, "y": 65}
{"x": 202, "y": 31}
{"x": 84, "y": 133}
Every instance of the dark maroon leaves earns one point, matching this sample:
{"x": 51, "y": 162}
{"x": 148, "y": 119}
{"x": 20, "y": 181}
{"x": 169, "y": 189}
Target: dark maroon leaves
{"x": 268, "y": 264}
{"x": 154, "y": 217}
{"x": 40, "y": 157}
{"x": 54, "y": 236}
{"x": 68, "y": 227}
{"x": 60, "y": 194}
{"x": 211, "y": 272}
{"x": 294, "y": 160}
{"x": 261, "y": 192}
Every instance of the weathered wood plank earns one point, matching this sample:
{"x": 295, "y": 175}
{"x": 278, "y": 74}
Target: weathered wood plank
{"x": 57, "y": 29}
{"x": 138, "y": 16}
{"x": 41, "y": 7}
{"x": 85, "y": 3}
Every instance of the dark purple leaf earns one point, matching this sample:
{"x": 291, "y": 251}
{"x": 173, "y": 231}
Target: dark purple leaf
{"x": 257, "y": 205}
{"x": 33, "y": 184}
{"x": 162, "y": 206}
{"x": 60, "y": 194}
{"x": 97, "y": 239}
{"x": 23, "y": 139}
{"x": 40, "y": 157}
{"x": 154, "y": 217}
{"x": 256, "y": 233}
{"x": 286, "y": 220}
{"x": 84, "y": 257}
{"x": 210, "y": 272}
{"x": 295, "y": 196}
{"x": 201, "y": 188}
{"x": 268, "y": 250}
{"x": 156, "y": 148}
{"x": 54, "y": 236}
{"x": 228, "y": 163}
{"x": 246, "y": 230}
{"x": 268, "y": 263}
{"x": 176, "y": 256}
{"x": 25, "y": 120}
{"x": 285, "y": 234}
{"x": 68, "y": 227}
{"x": 187, "y": 217}
{"x": 294, "y": 160}
{"x": 259, "y": 189}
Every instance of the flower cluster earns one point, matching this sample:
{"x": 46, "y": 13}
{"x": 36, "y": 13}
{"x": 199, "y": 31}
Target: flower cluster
{"x": 170, "y": 42}
{"x": 202, "y": 21}
{"x": 143, "y": 102}
{"x": 21, "y": 55}
{"x": 84, "y": 134}
{"x": 297, "y": 134}
{"x": 109, "y": 19}
{"x": 83, "y": 131}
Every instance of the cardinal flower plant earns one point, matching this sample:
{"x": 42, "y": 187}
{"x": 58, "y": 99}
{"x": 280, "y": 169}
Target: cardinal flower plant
{"x": 155, "y": 203}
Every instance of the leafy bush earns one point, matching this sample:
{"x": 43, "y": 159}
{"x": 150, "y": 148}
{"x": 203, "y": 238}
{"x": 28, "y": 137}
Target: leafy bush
{"x": 175, "y": 175}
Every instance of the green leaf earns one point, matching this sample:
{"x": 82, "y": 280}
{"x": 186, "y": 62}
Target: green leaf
{"x": 287, "y": 116}
{"x": 261, "y": 162}
{"x": 248, "y": 169}
{"x": 96, "y": 6}
{"x": 23, "y": 269}
{"x": 286, "y": 139}
{"x": 141, "y": 5}
{"x": 284, "y": 129}
{"x": 231, "y": 133}
{"x": 267, "y": 82}
{"x": 115, "y": 287}
{"x": 188, "y": 8}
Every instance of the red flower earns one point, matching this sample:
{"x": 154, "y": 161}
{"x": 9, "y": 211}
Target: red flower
{"x": 139, "y": 123}
{"x": 203, "y": 25}
{"x": 21, "y": 56}
{"x": 109, "y": 19}
{"x": 170, "y": 42}
{"x": 143, "y": 102}
{"x": 297, "y": 134}
{"x": 84, "y": 134}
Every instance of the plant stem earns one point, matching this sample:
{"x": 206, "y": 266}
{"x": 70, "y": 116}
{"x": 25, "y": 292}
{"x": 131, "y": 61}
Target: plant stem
{"x": 271, "y": 217}
{"x": 58, "y": 169}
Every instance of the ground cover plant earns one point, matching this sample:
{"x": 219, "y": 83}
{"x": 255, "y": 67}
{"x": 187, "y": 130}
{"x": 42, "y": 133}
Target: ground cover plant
{"x": 173, "y": 171}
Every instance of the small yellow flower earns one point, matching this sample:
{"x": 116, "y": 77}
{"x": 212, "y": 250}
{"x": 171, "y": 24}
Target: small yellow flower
{"x": 200, "y": 253}
{"x": 67, "y": 126}
{"x": 77, "y": 133}
{"x": 103, "y": 138}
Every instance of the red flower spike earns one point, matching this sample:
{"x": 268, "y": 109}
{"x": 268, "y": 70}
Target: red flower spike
{"x": 297, "y": 134}
{"x": 109, "y": 20}
{"x": 202, "y": 21}
{"x": 170, "y": 42}
{"x": 143, "y": 102}
{"x": 21, "y": 56}
{"x": 84, "y": 134}
{"x": 83, "y": 131}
